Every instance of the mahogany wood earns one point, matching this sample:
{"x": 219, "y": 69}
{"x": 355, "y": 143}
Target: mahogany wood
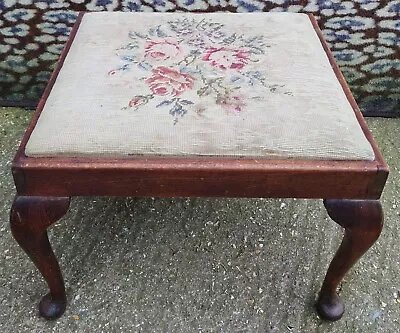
{"x": 30, "y": 217}
{"x": 362, "y": 221}
{"x": 200, "y": 177}
{"x": 44, "y": 185}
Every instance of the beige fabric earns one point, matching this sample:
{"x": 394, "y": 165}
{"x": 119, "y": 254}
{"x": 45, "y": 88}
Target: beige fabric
{"x": 255, "y": 84}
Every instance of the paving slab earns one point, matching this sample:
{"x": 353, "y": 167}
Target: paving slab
{"x": 199, "y": 264}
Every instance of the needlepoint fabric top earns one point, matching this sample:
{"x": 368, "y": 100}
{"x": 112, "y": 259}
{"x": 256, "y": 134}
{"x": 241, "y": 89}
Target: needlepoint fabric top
{"x": 177, "y": 84}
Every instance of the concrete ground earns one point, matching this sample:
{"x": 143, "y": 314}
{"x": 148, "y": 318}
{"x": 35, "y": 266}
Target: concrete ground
{"x": 199, "y": 265}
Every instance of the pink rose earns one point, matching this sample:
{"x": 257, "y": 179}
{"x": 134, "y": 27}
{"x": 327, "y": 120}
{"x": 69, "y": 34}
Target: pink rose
{"x": 167, "y": 81}
{"x": 233, "y": 103}
{"x": 225, "y": 58}
{"x": 162, "y": 50}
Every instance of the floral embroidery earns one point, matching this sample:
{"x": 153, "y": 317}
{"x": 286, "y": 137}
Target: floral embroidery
{"x": 139, "y": 100}
{"x": 166, "y": 81}
{"x": 162, "y": 50}
{"x": 185, "y": 58}
{"x": 233, "y": 103}
{"x": 177, "y": 107}
{"x": 225, "y": 58}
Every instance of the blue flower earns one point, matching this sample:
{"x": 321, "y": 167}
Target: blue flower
{"x": 237, "y": 79}
{"x": 128, "y": 58}
{"x": 103, "y": 2}
{"x": 395, "y": 7}
{"x": 124, "y": 67}
{"x": 377, "y": 104}
{"x": 133, "y": 6}
{"x": 250, "y": 7}
{"x": 344, "y": 56}
{"x": 158, "y": 3}
{"x": 388, "y": 38}
{"x": 61, "y": 16}
{"x": 43, "y": 76}
{"x": 324, "y": 4}
{"x": 350, "y": 22}
{"x": 339, "y": 36}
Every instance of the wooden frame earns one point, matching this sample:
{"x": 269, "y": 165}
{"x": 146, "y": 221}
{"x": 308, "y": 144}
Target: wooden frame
{"x": 46, "y": 184}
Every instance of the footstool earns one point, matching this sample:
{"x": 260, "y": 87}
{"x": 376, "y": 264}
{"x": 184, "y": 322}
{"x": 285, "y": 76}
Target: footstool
{"x": 184, "y": 105}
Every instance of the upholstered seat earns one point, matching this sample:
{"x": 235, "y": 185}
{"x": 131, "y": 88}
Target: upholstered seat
{"x": 257, "y": 85}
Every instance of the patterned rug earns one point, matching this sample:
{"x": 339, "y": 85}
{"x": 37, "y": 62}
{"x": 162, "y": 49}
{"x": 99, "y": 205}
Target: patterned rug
{"x": 363, "y": 35}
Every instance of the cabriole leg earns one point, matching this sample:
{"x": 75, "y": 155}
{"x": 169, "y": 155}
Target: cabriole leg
{"x": 30, "y": 217}
{"x": 363, "y": 222}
